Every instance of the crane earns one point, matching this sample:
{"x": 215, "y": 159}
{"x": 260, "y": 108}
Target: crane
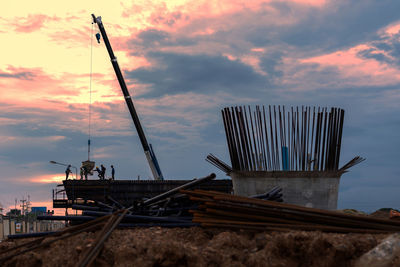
{"x": 148, "y": 150}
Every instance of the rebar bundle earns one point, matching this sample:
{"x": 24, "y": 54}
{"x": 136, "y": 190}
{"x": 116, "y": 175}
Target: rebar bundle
{"x": 218, "y": 163}
{"x": 222, "y": 210}
{"x": 274, "y": 139}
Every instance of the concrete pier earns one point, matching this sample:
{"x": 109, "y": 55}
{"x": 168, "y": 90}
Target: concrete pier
{"x": 315, "y": 189}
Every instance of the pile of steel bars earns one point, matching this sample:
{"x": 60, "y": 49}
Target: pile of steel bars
{"x": 227, "y": 211}
{"x": 273, "y": 138}
{"x": 169, "y": 209}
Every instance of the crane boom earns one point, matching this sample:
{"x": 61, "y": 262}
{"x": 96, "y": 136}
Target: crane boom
{"x": 148, "y": 150}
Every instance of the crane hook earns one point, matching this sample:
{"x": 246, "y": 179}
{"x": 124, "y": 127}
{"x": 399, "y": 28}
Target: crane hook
{"x": 98, "y": 37}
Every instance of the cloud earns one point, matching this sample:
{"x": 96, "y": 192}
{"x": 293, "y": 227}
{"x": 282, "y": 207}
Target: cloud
{"x": 177, "y": 73}
{"x": 39, "y": 83}
{"x": 12, "y": 141}
{"x": 339, "y": 24}
{"x": 392, "y": 29}
{"x": 357, "y": 71}
{"x": 31, "y": 23}
{"x": 157, "y": 38}
{"x": 73, "y": 37}
{"x": 51, "y": 91}
{"x": 17, "y": 74}
{"x": 385, "y": 48}
{"x": 48, "y": 179}
{"x": 278, "y": 52}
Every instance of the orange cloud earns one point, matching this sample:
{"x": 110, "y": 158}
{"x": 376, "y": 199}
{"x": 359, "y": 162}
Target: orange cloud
{"x": 31, "y": 23}
{"x": 392, "y": 29}
{"x": 173, "y": 15}
{"x": 48, "y": 91}
{"x": 62, "y": 101}
{"x": 356, "y": 70}
{"x": 48, "y": 178}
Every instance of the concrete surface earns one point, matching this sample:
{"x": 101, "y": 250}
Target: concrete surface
{"x": 306, "y": 188}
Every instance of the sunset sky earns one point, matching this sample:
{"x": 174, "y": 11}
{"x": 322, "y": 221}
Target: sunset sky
{"x": 183, "y": 62}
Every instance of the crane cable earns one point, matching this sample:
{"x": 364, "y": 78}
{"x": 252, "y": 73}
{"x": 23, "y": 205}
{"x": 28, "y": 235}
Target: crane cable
{"x": 90, "y": 88}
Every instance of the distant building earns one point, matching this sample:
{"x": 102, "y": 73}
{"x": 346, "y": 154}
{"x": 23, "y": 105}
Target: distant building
{"x": 14, "y": 212}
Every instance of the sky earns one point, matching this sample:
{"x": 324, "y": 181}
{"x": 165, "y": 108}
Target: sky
{"x": 183, "y": 62}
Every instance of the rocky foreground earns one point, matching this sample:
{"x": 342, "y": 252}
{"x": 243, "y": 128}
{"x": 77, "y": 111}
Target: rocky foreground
{"x": 206, "y": 247}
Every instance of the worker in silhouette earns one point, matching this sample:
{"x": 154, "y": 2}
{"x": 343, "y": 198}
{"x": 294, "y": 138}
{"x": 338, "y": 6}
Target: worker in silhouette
{"x": 112, "y": 172}
{"x": 81, "y": 171}
{"x": 103, "y": 172}
{"x": 84, "y": 171}
{"x": 98, "y": 171}
{"x": 67, "y": 172}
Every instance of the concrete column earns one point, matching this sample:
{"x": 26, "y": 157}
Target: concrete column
{"x": 305, "y": 188}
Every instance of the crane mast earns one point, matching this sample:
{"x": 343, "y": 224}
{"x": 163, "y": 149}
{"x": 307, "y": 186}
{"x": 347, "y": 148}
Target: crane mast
{"x": 148, "y": 150}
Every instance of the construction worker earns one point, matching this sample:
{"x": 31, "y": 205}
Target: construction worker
{"x": 85, "y": 172}
{"x": 67, "y": 172}
{"x": 98, "y": 171}
{"x": 81, "y": 170}
{"x": 103, "y": 172}
{"x": 112, "y": 172}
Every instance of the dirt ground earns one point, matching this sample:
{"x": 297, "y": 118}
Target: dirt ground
{"x": 206, "y": 247}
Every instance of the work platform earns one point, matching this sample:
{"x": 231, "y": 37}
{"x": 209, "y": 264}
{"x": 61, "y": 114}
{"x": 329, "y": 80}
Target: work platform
{"x": 125, "y": 192}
